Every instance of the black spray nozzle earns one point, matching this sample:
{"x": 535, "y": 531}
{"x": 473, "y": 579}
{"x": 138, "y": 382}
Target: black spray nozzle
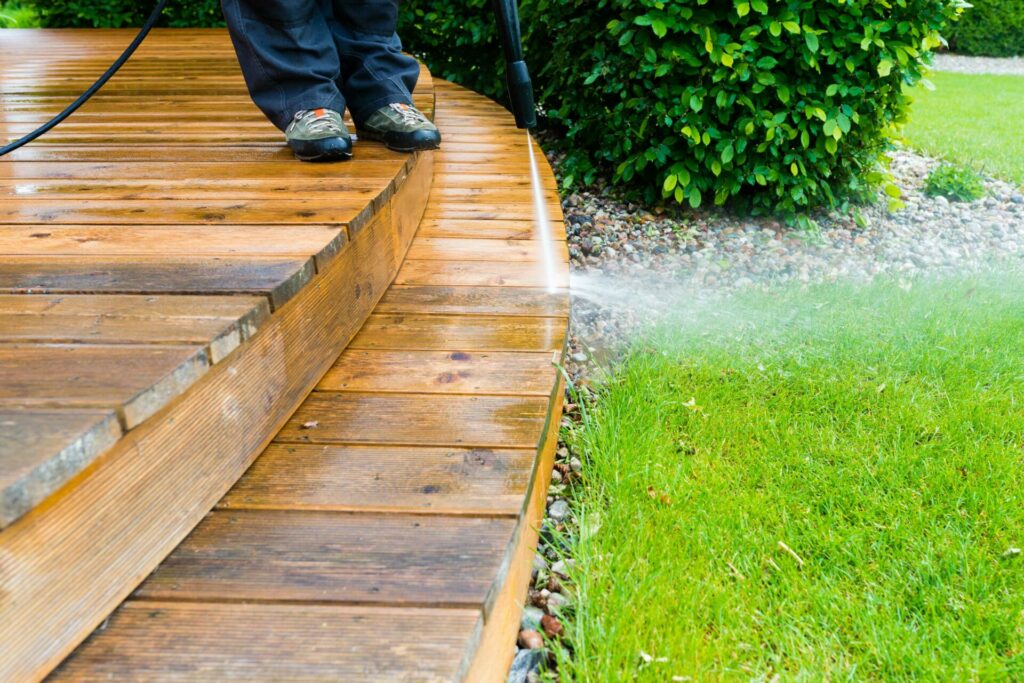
{"x": 520, "y": 89}
{"x": 520, "y": 95}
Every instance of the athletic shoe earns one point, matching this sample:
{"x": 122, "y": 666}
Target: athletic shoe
{"x": 401, "y": 127}
{"x": 319, "y": 135}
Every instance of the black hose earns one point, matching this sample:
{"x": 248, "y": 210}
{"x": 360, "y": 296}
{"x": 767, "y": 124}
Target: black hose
{"x": 100, "y": 82}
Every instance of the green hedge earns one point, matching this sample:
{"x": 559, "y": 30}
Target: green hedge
{"x": 121, "y": 13}
{"x": 992, "y": 27}
{"x": 780, "y": 105}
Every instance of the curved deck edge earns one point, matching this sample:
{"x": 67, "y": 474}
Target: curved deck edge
{"x": 499, "y": 624}
{"x": 70, "y": 561}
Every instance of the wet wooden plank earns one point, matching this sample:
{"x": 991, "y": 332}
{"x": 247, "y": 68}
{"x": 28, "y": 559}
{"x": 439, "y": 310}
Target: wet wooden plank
{"x": 441, "y": 372}
{"x": 363, "y": 173}
{"x": 130, "y": 189}
{"x": 135, "y": 380}
{"x": 327, "y": 557}
{"x": 220, "y": 336}
{"x": 277, "y": 278}
{"x": 481, "y": 274}
{"x": 466, "y": 333}
{"x": 465, "y": 249}
{"x": 454, "y": 481}
{"x": 182, "y": 154}
{"x": 408, "y": 419}
{"x": 320, "y": 241}
{"x": 214, "y": 642}
{"x": 518, "y": 229}
{"x": 514, "y": 301}
{"x": 249, "y": 311}
{"x": 336, "y": 209}
{"x": 42, "y": 449}
{"x": 469, "y": 210}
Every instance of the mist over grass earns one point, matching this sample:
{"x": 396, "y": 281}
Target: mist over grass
{"x": 875, "y": 430}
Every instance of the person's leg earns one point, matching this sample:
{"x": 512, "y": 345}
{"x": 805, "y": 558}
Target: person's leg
{"x": 288, "y": 56}
{"x": 374, "y": 70}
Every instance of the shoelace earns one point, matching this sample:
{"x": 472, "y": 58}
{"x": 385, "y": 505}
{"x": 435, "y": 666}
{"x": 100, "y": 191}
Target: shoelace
{"x": 324, "y": 123}
{"x": 409, "y": 115}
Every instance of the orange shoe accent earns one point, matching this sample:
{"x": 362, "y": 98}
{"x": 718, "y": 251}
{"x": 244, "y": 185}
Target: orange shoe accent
{"x": 319, "y": 113}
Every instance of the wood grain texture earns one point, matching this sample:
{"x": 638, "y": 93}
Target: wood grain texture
{"x": 482, "y": 274}
{"x": 136, "y": 381}
{"x": 469, "y": 333}
{"x": 412, "y": 477}
{"x": 320, "y": 241}
{"x": 278, "y": 279}
{"x": 278, "y": 555}
{"x": 408, "y": 419}
{"x": 492, "y": 653}
{"x": 41, "y": 449}
{"x": 215, "y": 642}
{"x": 514, "y": 301}
{"x": 127, "y": 220}
{"x": 156, "y": 484}
{"x": 456, "y": 481}
{"x": 440, "y": 372}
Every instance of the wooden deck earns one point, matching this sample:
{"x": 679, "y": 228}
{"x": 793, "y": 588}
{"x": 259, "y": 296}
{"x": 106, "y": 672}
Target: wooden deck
{"x": 385, "y": 532}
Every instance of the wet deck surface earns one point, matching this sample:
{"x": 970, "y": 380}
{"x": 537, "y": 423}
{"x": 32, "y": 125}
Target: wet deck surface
{"x": 141, "y": 241}
{"x": 386, "y": 531}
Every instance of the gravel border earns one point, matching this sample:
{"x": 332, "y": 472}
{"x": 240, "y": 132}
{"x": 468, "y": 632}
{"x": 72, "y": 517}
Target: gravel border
{"x": 964, "y": 64}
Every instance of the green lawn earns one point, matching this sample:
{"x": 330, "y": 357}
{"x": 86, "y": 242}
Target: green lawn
{"x": 878, "y": 433}
{"x": 972, "y": 119}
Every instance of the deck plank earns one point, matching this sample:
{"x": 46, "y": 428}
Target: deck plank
{"x": 460, "y": 481}
{"x": 409, "y": 419}
{"x": 277, "y": 278}
{"x": 275, "y": 555}
{"x": 135, "y": 380}
{"x": 214, "y": 642}
{"x": 482, "y": 274}
{"x": 42, "y": 449}
{"x": 513, "y": 301}
{"x": 440, "y": 372}
{"x": 460, "y": 333}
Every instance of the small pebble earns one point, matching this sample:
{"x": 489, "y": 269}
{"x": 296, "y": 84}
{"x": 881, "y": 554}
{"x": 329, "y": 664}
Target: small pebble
{"x": 557, "y": 601}
{"x": 551, "y": 625}
{"x": 559, "y": 510}
{"x": 525, "y": 662}
{"x": 575, "y": 465}
{"x": 530, "y": 620}
{"x": 531, "y": 640}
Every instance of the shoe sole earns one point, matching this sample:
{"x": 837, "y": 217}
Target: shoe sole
{"x": 327, "y": 156}
{"x": 367, "y": 135}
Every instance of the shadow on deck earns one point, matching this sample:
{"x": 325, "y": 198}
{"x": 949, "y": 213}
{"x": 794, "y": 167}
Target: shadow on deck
{"x": 172, "y": 288}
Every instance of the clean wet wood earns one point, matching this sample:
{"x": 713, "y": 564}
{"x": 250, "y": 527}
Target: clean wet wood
{"x": 172, "y": 287}
{"x": 408, "y": 479}
{"x": 41, "y": 448}
{"x": 148, "y": 193}
{"x": 404, "y": 490}
{"x": 318, "y": 556}
{"x": 213, "y": 642}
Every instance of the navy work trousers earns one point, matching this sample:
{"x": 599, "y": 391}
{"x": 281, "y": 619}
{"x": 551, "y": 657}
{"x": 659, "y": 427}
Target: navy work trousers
{"x": 306, "y": 54}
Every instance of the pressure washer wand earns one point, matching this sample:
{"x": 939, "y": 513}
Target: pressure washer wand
{"x": 517, "y": 77}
